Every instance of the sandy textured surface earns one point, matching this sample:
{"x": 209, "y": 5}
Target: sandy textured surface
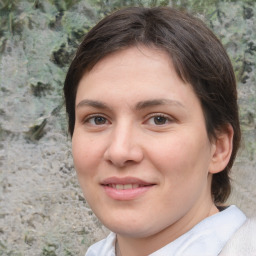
{"x": 42, "y": 209}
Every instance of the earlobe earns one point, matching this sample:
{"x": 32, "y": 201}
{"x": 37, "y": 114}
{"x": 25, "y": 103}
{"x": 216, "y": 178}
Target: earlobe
{"x": 222, "y": 149}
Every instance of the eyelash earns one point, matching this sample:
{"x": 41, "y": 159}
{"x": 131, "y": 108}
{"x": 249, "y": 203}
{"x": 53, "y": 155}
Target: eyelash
{"x": 153, "y": 115}
{"x": 91, "y": 117}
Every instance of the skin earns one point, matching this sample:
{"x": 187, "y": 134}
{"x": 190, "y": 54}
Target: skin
{"x": 136, "y": 118}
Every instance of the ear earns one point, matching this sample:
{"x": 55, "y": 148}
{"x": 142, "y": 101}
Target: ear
{"x": 222, "y": 149}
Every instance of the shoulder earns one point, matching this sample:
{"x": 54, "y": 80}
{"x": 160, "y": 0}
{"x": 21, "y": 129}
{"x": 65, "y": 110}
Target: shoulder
{"x": 105, "y": 247}
{"x": 243, "y": 242}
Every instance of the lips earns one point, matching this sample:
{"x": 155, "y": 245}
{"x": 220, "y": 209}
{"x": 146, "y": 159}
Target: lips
{"x": 127, "y": 182}
{"x": 123, "y": 186}
{"x": 127, "y": 188}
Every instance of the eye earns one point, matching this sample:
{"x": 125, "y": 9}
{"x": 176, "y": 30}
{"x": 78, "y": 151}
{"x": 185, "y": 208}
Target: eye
{"x": 96, "y": 120}
{"x": 159, "y": 119}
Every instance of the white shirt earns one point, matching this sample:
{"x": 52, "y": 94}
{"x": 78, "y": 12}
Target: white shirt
{"x": 207, "y": 238}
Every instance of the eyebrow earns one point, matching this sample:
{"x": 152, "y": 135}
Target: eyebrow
{"x": 139, "y": 106}
{"x": 92, "y": 103}
{"x": 157, "y": 102}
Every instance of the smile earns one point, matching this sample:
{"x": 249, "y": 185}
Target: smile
{"x": 123, "y": 189}
{"x": 124, "y": 186}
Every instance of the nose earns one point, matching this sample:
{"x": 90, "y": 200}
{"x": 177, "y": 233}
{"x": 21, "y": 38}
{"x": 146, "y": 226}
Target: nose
{"x": 124, "y": 147}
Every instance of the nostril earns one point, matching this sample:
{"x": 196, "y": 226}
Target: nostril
{"x": 122, "y": 159}
{"x": 122, "y": 149}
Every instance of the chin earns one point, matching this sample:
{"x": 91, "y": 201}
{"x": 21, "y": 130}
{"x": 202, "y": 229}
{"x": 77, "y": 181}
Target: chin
{"x": 130, "y": 229}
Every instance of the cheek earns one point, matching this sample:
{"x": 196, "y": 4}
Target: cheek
{"x": 182, "y": 155}
{"x": 183, "y": 163}
{"x": 85, "y": 162}
{"x": 83, "y": 155}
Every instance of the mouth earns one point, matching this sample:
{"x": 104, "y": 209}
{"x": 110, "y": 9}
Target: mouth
{"x": 127, "y": 188}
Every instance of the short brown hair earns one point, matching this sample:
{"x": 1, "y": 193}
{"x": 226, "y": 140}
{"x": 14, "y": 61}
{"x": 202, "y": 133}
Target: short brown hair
{"x": 198, "y": 57}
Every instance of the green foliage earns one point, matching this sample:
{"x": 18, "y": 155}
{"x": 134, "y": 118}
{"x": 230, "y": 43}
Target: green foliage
{"x": 49, "y": 250}
{"x": 104, "y": 7}
{"x": 63, "y": 5}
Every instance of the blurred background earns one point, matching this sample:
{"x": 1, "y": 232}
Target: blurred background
{"x": 42, "y": 209}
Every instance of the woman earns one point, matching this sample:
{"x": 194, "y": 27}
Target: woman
{"x": 152, "y": 105}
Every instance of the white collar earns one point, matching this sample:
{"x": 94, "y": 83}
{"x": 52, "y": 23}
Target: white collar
{"x": 207, "y": 238}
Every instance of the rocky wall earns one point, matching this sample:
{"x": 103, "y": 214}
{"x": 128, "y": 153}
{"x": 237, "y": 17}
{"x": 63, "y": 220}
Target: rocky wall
{"x": 42, "y": 209}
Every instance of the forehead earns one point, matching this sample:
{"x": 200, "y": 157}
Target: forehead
{"x": 138, "y": 61}
{"x": 134, "y": 75}
{"x": 139, "y": 54}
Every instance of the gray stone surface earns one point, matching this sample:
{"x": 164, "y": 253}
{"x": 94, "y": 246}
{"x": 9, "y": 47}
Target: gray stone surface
{"x": 42, "y": 209}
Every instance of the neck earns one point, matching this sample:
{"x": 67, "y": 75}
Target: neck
{"x": 117, "y": 249}
{"x": 127, "y": 246}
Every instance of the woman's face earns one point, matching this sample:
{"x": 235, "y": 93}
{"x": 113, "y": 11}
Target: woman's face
{"x": 140, "y": 145}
